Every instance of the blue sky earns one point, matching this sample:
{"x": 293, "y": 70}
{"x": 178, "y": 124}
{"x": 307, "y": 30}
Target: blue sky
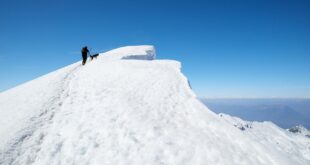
{"x": 228, "y": 48}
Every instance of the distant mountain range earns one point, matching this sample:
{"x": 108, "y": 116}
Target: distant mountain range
{"x": 286, "y": 113}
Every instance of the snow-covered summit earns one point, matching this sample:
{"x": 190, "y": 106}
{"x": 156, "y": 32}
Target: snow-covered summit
{"x": 117, "y": 111}
{"x": 143, "y": 52}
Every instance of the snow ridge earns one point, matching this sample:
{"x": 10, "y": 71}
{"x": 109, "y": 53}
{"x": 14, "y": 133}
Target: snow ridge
{"x": 138, "y": 111}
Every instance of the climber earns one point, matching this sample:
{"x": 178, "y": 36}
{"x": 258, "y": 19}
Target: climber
{"x": 84, "y": 51}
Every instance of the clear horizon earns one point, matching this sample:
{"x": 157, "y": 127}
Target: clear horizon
{"x": 228, "y": 49}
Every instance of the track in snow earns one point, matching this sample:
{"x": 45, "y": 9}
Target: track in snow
{"x": 35, "y": 130}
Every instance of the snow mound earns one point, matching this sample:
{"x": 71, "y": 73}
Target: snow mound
{"x": 145, "y": 52}
{"x": 115, "y": 111}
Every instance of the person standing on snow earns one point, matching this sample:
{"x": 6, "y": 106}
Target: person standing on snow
{"x": 84, "y": 51}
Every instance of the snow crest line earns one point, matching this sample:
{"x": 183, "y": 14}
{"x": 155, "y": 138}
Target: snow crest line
{"x": 133, "y": 111}
{"x": 36, "y": 127}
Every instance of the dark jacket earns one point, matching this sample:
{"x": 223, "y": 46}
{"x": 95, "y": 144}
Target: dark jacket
{"x": 84, "y": 51}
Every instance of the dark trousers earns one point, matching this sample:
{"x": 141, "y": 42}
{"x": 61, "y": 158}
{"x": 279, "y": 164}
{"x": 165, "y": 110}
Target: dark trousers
{"x": 84, "y": 56}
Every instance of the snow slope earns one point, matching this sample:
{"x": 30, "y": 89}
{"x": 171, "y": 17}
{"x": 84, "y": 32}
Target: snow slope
{"x": 271, "y": 136}
{"x": 138, "y": 111}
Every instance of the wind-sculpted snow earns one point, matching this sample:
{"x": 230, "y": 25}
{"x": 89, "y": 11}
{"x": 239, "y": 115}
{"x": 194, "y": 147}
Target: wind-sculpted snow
{"x": 116, "y": 111}
{"x": 146, "y": 52}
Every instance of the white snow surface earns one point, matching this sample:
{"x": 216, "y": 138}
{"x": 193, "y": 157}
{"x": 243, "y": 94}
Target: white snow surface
{"x": 145, "y": 52}
{"x": 138, "y": 111}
